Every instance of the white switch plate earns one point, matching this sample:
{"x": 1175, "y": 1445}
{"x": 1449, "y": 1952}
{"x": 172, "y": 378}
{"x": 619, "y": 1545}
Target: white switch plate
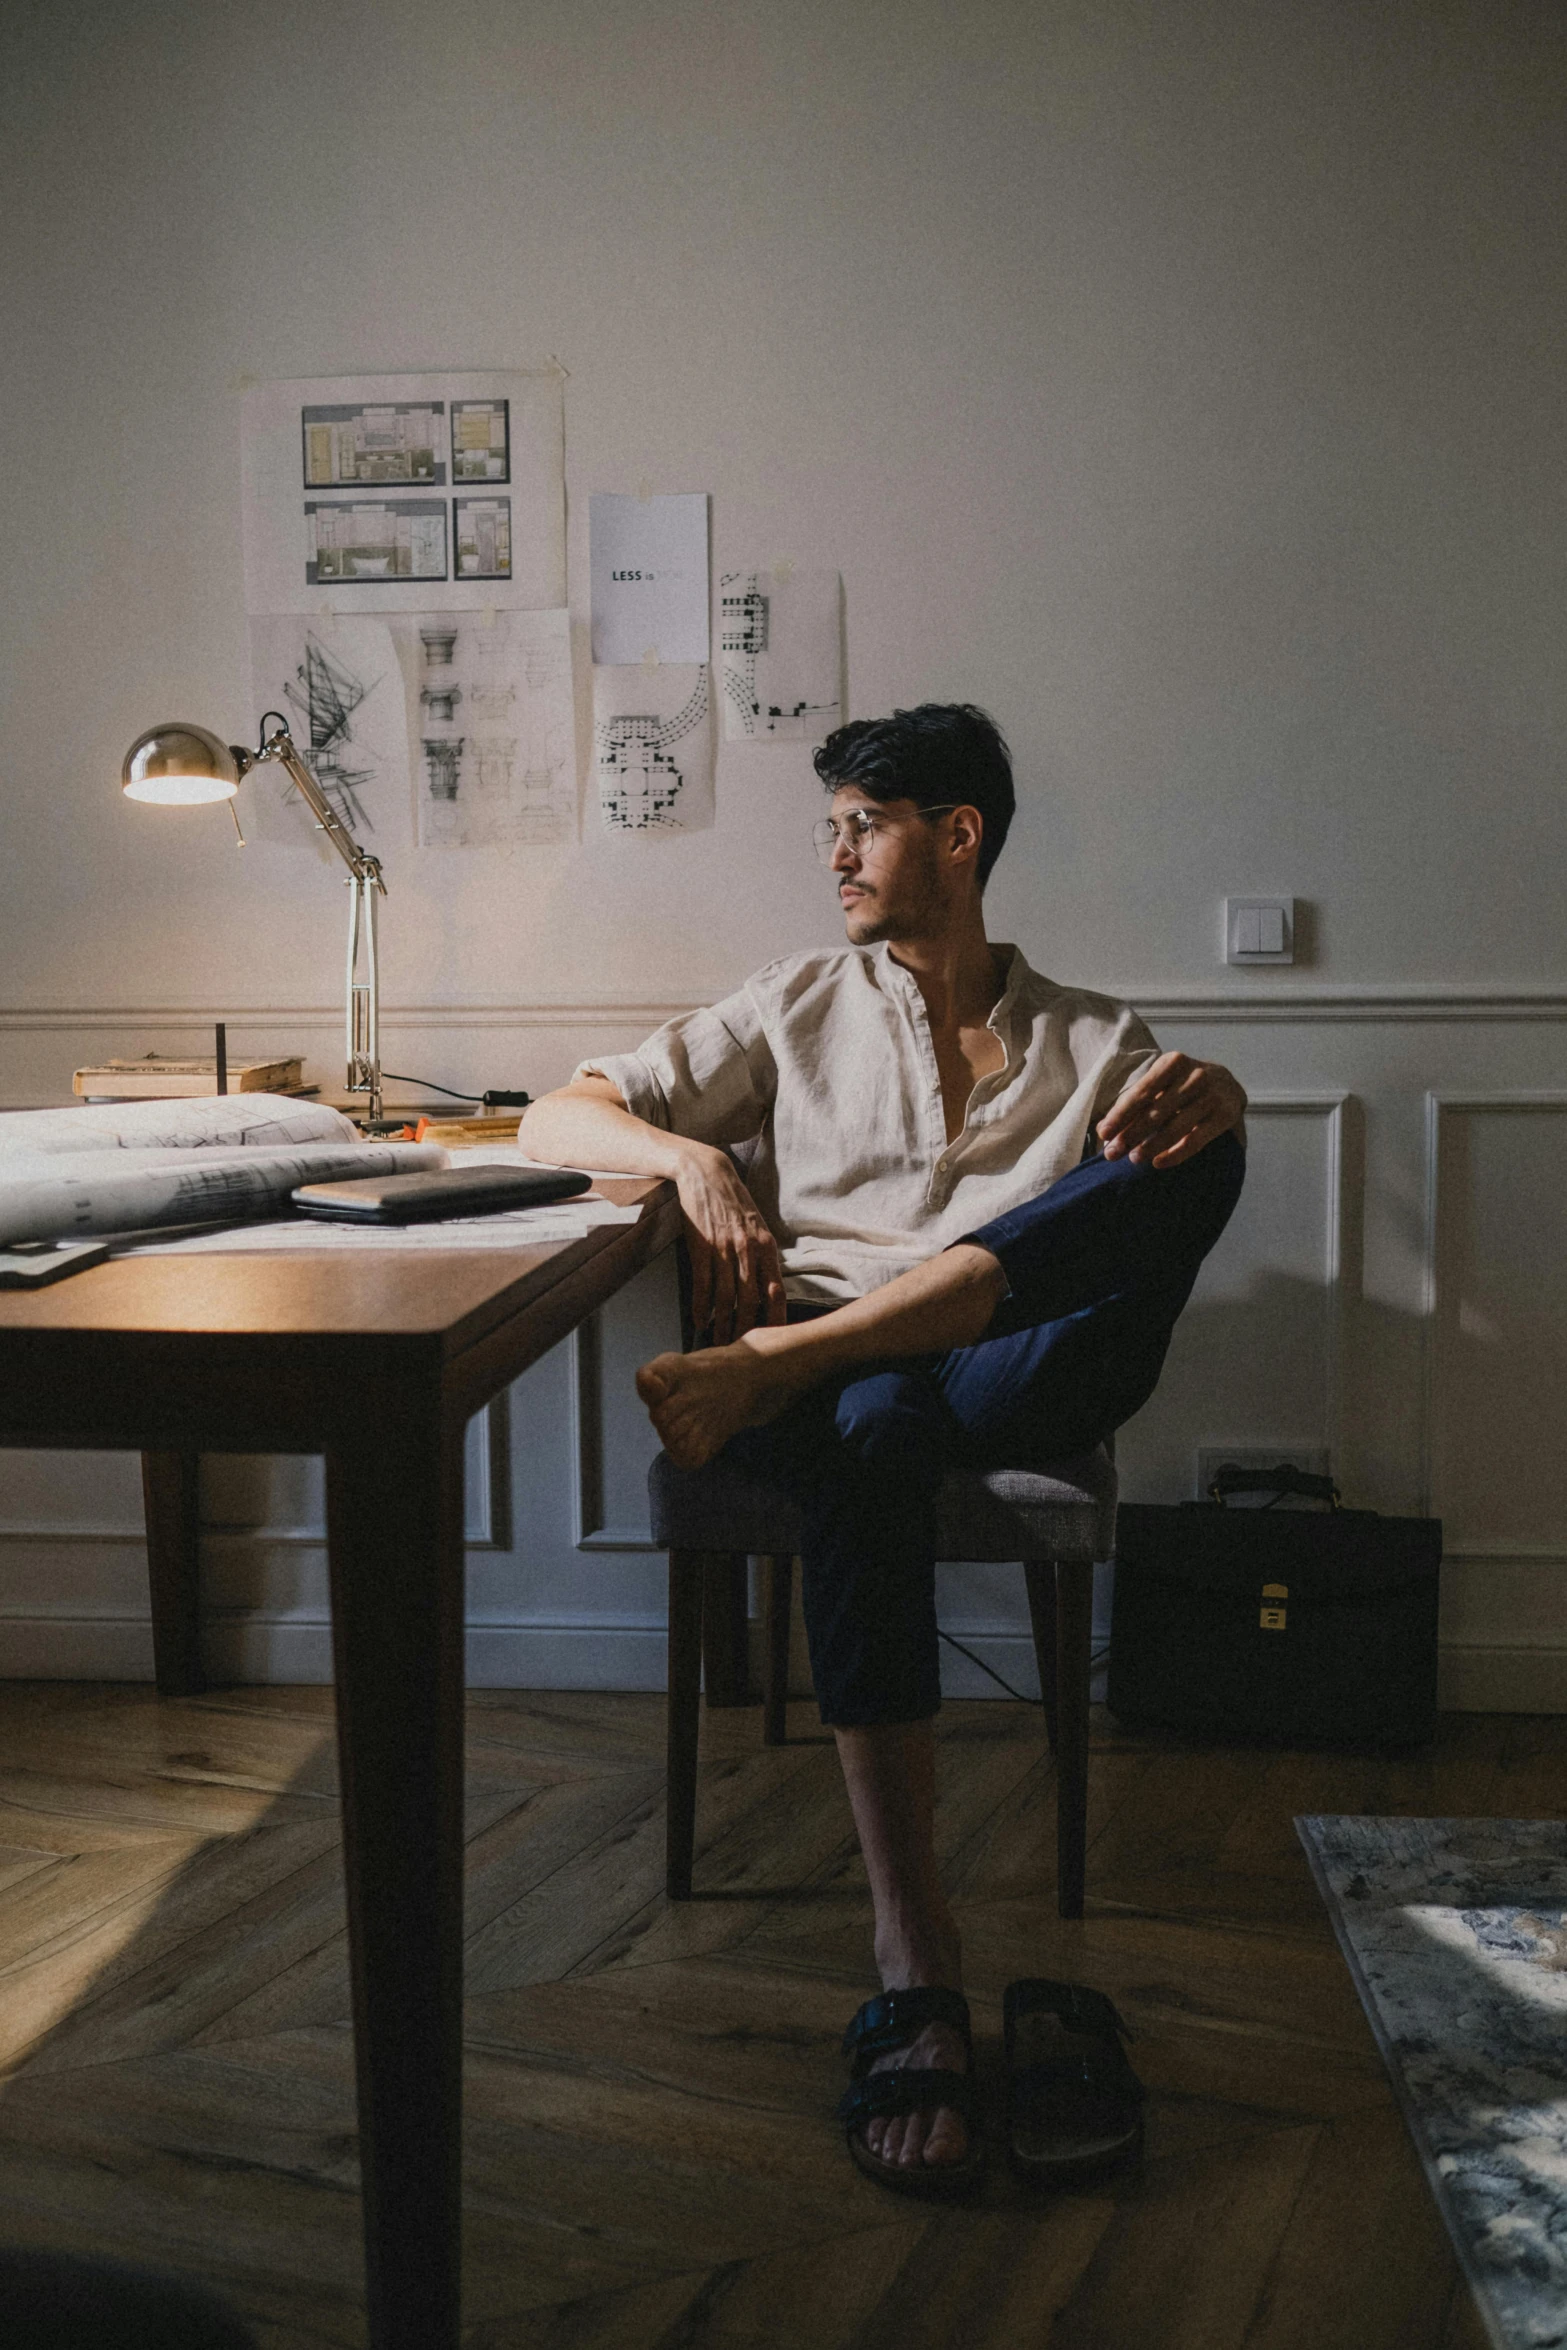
{"x": 1259, "y": 930}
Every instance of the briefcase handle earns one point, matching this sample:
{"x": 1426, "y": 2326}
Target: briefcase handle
{"x": 1281, "y": 1479}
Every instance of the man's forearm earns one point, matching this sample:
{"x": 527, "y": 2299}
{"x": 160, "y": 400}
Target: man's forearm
{"x": 576, "y": 1129}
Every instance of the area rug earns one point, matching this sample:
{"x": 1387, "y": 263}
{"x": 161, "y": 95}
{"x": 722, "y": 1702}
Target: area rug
{"x": 1456, "y": 1934}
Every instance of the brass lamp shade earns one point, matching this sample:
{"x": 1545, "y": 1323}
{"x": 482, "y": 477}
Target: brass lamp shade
{"x": 179, "y": 764}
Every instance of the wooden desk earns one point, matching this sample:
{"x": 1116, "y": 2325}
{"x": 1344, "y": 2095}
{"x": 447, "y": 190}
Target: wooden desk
{"x": 378, "y": 1361}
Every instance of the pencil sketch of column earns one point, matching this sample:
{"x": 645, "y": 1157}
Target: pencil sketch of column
{"x": 438, "y": 698}
{"x": 542, "y": 814}
{"x": 490, "y": 704}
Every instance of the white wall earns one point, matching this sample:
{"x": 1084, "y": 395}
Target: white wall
{"x": 1182, "y": 382}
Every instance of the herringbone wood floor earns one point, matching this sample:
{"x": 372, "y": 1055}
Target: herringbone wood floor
{"x": 649, "y": 2155}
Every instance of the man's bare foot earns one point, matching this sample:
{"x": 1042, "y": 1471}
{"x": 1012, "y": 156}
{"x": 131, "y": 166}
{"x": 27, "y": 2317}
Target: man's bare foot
{"x": 905, "y": 1960}
{"x": 698, "y": 1401}
{"x": 909, "y": 2139}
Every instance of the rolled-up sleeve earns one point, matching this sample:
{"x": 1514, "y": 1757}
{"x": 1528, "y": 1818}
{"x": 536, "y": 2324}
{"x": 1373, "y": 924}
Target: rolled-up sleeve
{"x": 709, "y": 1074}
{"x": 1130, "y": 1052}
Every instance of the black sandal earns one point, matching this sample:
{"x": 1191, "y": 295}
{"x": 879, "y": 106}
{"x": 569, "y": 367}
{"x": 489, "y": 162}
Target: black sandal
{"x": 1074, "y": 2104}
{"x": 895, "y": 2019}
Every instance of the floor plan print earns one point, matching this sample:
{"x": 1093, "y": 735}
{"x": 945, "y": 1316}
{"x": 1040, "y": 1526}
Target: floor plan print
{"x": 781, "y": 644}
{"x": 653, "y": 747}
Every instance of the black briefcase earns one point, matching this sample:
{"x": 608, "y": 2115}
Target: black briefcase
{"x": 1306, "y": 1627}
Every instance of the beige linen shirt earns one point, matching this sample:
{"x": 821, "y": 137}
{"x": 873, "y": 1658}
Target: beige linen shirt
{"x": 825, "y": 1062}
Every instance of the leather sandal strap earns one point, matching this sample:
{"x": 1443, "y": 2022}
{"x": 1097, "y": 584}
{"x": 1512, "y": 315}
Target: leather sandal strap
{"x": 893, "y": 2018}
{"x": 1077, "y": 2007}
{"x": 905, "y": 2089}
{"x": 1102, "y": 2069}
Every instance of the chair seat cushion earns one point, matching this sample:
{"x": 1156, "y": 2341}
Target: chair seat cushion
{"x": 1064, "y": 1511}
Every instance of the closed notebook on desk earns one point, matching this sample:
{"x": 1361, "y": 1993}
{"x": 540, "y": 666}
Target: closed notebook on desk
{"x": 453, "y": 1191}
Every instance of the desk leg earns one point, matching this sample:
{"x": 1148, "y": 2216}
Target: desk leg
{"x": 394, "y": 1526}
{"x": 169, "y": 1484}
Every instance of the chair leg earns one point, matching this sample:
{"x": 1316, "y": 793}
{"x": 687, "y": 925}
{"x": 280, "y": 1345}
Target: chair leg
{"x": 170, "y": 1497}
{"x": 1039, "y": 1577}
{"x": 1074, "y": 1628}
{"x": 777, "y": 1601}
{"x": 684, "y": 1718}
{"x": 726, "y": 1665}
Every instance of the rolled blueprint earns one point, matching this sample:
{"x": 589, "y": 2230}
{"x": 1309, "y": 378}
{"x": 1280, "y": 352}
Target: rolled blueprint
{"x": 54, "y": 1195}
{"x": 232, "y": 1121}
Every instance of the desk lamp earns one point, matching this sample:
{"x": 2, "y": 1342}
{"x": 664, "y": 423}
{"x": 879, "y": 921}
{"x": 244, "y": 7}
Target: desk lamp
{"x": 180, "y": 765}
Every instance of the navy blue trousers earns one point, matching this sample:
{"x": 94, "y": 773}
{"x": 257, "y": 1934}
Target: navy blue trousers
{"x": 1098, "y": 1268}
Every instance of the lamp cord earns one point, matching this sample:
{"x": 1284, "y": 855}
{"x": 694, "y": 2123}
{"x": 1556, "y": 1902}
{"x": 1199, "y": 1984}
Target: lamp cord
{"x": 390, "y": 1076}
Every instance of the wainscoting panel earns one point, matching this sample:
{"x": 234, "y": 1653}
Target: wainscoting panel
{"x": 1392, "y": 1288}
{"x": 1497, "y": 1372}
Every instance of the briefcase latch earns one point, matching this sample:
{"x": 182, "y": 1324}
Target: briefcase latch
{"x": 1272, "y": 1617}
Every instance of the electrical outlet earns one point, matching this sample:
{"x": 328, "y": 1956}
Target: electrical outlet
{"x": 1313, "y": 1458}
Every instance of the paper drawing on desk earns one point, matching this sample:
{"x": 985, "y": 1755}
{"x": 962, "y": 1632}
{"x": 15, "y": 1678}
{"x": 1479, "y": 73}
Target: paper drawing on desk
{"x": 781, "y": 642}
{"x": 340, "y": 684}
{"x": 647, "y": 560}
{"x": 357, "y": 488}
{"x": 299, "y": 1236}
{"x": 490, "y": 709}
{"x": 653, "y": 748}
{"x": 58, "y": 1196}
{"x": 233, "y": 1121}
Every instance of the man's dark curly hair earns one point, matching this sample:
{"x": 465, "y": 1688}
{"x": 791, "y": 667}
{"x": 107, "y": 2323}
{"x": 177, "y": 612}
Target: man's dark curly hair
{"x": 938, "y": 755}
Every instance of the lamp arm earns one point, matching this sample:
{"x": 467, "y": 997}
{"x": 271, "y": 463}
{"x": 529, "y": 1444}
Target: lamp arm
{"x": 363, "y": 1001}
{"x": 279, "y": 747}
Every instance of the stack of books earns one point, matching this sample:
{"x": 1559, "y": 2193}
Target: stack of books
{"x": 154, "y": 1078}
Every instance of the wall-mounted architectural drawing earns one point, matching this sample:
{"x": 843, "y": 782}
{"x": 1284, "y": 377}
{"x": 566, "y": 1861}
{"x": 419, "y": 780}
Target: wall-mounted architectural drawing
{"x": 481, "y": 440}
{"x": 781, "y": 644}
{"x": 653, "y": 747}
{"x": 395, "y": 540}
{"x": 339, "y": 682}
{"x": 351, "y": 447}
{"x": 481, "y": 533}
{"x": 357, "y": 539}
{"x": 434, "y": 730}
{"x": 495, "y": 728}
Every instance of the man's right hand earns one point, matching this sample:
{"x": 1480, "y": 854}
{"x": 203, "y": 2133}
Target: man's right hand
{"x": 736, "y": 1272}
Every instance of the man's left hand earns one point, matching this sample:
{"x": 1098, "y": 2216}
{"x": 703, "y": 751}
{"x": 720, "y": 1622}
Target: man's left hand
{"x": 1172, "y": 1111}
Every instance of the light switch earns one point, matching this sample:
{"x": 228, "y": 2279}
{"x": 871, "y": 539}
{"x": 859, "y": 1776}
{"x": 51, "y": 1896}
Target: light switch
{"x": 1259, "y": 930}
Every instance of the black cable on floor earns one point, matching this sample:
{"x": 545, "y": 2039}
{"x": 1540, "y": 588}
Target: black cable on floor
{"x": 990, "y": 1669}
{"x": 1096, "y": 1659}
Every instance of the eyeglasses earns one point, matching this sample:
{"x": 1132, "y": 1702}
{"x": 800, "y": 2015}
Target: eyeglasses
{"x": 857, "y": 828}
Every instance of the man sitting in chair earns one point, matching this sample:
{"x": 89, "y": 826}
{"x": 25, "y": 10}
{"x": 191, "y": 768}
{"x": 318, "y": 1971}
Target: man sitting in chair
{"x": 976, "y": 1204}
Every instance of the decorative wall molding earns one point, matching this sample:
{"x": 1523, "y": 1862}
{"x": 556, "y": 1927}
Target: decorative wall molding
{"x": 584, "y": 1349}
{"x": 1247, "y": 1001}
{"x": 1440, "y": 1102}
{"x": 1336, "y": 1109}
{"x": 486, "y": 1507}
